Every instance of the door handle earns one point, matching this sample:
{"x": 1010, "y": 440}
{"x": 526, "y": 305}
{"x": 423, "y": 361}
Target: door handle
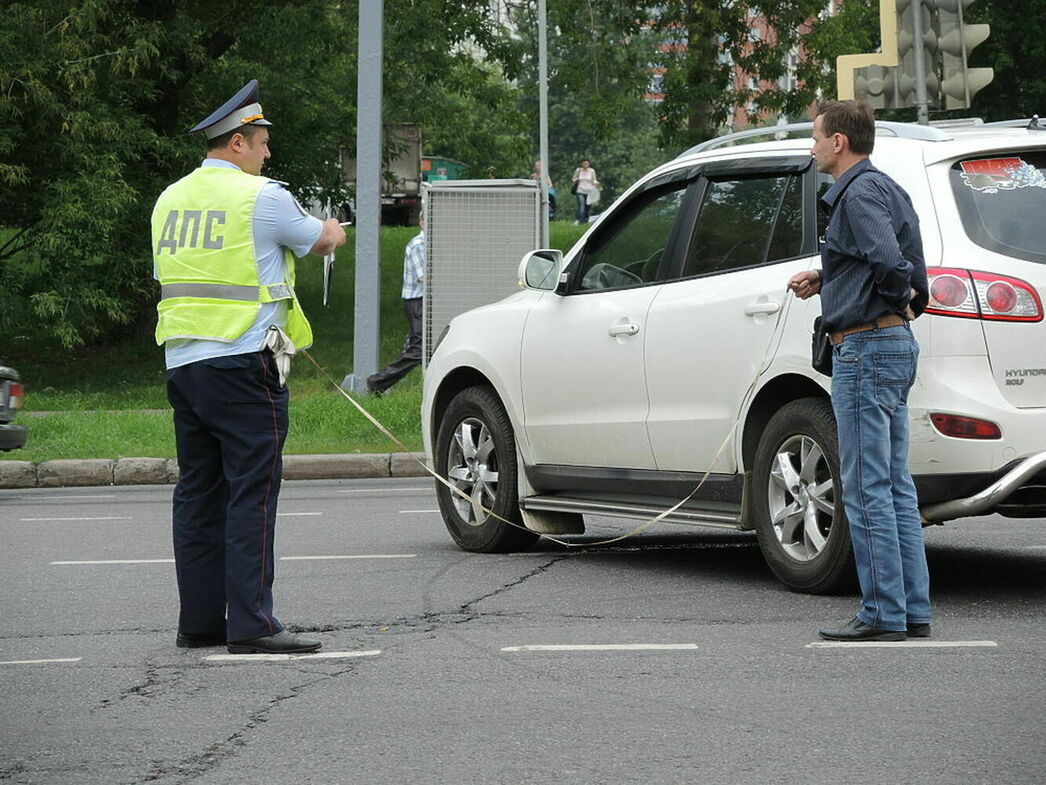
{"x": 765, "y": 307}
{"x": 624, "y": 328}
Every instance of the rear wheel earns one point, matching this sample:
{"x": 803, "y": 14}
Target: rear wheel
{"x": 797, "y": 500}
{"x": 476, "y": 452}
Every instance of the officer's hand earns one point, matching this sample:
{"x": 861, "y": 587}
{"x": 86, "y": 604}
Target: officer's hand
{"x": 332, "y": 236}
{"x": 337, "y": 231}
{"x": 805, "y": 284}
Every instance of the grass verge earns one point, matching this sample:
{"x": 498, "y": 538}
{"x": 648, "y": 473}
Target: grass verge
{"x": 110, "y": 401}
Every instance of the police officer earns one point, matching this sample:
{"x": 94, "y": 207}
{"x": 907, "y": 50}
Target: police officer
{"x": 224, "y": 242}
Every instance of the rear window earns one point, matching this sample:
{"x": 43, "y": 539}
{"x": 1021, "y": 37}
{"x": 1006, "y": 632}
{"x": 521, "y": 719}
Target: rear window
{"x": 1002, "y": 202}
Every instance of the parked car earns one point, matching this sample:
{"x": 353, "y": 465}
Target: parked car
{"x": 664, "y": 346}
{"x": 12, "y": 394}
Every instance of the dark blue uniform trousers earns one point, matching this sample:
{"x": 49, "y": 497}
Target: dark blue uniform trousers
{"x": 230, "y": 423}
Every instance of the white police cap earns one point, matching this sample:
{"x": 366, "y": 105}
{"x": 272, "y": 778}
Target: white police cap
{"x": 240, "y": 110}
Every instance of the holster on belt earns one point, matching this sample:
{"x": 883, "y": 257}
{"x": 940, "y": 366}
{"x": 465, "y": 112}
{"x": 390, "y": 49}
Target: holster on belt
{"x": 282, "y": 348}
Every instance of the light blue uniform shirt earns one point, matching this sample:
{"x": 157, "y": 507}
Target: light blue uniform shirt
{"x": 279, "y": 222}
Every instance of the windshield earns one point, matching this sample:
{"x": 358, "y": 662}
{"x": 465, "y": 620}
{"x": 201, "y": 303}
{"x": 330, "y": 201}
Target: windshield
{"x": 1002, "y": 202}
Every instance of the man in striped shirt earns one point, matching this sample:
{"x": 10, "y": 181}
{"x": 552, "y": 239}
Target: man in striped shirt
{"x": 873, "y": 282}
{"x": 413, "y": 296}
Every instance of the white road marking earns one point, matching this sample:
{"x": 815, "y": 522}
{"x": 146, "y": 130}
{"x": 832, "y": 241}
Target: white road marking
{"x": 322, "y": 655}
{"x": 360, "y": 556}
{"x": 41, "y": 662}
{"x": 282, "y": 558}
{"x": 295, "y": 514}
{"x": 917, "y": 644}
{"x": 98, "y": 496}
{"x": 605, "y": 647}
{"x": 101, "y": 518}
{"x": 407, "y": 512}
{"x": 118, "y": 561}
{"x": 387, "y": 490}
{"x": 1035, "y": 547}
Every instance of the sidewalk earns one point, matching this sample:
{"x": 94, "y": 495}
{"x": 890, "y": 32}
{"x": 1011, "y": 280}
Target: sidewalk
{"x": 163, "y": 471}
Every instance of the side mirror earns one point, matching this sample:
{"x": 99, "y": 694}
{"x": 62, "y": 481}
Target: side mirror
{"x": 540, "y": 269}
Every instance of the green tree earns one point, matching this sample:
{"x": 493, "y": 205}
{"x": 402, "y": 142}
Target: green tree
{"x": 96, "y": 97}
{"x": 706, "y": 41}
{"x": 600, "y": 55}
{"x": 1016, "y": 50}
{"x": 853, "y": 29}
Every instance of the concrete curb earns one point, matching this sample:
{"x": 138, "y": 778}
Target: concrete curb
{"x": 161, "y": 471}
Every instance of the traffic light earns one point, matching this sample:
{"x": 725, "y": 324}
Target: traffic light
{"x": 916, "y": 51}
{"x": 868, "y": 76}
{"x": 956, "y": 39}
{"x": 924, "y": 42}
{"x": 876, "y": 84}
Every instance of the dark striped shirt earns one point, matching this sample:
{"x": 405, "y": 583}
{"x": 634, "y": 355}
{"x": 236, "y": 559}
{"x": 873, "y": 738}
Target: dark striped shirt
{"x": 872, "y": 255}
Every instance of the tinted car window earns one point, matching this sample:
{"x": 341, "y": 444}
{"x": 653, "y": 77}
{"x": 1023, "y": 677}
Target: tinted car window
{"x": 824, "y": 182}
{"x": 629, "y": 251}
{"x": 1002, "y": 201}
{"x": 736, "y": 225}
{"x": 787, "y": 239}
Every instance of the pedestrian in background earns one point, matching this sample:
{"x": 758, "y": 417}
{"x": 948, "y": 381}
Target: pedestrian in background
{"x": 872, "y": 283}
{"x": 536, "y": 176}
{"x": 224, "y": 241}
{"x": 584, "y": 182}
{"x": 413, "y": 294}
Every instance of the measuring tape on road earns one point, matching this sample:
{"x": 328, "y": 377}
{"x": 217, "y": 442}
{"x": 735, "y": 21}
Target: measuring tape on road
{"x": 631, "y": 533}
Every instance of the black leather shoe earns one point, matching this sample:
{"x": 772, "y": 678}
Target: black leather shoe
{"x": 919, "y": 630}
{"x": 199, "y": 640}
{"x": 283, "y": 642}
{"x": 857, "y": 630}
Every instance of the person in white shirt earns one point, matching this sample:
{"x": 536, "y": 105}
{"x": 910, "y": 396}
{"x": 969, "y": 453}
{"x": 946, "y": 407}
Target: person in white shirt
{"x": 586, "y": 182}
{"x": 413, "y": 298}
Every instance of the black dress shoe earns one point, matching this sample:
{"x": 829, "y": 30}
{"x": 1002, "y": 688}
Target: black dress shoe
{"x": 199, "y": 640}
{"x": 857, "y": 630}
{"x": 283, "y": 642}
{"x": 919, "y": 630}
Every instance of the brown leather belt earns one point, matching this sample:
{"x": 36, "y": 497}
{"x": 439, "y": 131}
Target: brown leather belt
{"x": 891, "y": 320}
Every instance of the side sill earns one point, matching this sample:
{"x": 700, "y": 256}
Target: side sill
{"x": 721, "y": 515}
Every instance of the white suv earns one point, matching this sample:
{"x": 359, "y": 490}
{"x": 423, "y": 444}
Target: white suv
{"x": 664, "y": 346}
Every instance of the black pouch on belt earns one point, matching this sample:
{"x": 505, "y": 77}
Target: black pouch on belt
{"x": 821, "y": 349}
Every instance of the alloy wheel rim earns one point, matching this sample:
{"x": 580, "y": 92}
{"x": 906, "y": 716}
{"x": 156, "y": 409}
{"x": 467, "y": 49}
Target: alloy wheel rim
{"x": 801, "y": 498}
{"x": 472, "y": 467}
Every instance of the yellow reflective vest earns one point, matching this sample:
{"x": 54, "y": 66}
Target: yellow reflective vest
{"x": 203, "y": 246}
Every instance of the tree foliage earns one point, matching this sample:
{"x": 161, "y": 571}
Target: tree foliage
{"x": 706, "y": 42}
{"x": 96, "y": 96}
{"x": 599, "y": 67}
{"x": 95, "y": 100}
{"x": 1016, "y": 50}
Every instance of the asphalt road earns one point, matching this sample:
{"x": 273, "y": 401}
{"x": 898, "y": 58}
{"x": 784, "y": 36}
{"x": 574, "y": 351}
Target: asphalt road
{"x": 430, "y": 675}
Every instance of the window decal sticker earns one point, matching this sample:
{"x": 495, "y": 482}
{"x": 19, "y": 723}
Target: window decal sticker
{"x": 991, "y": 175}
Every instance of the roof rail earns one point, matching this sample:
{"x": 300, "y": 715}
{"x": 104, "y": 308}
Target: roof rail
{"x": 957, "y": 122}
{"x": 1031, "y": 124}
{"x": 900, "y": 130}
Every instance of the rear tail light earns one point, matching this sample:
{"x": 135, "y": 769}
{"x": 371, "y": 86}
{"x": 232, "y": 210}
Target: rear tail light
{"x": 973, "y": 294}
{"x": 15, "y": 396}
{"x": 965, "y": 427}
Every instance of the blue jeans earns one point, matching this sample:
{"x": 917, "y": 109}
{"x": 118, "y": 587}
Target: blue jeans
{"x": 872, "y": 374}
{"x": 582, "y": 207}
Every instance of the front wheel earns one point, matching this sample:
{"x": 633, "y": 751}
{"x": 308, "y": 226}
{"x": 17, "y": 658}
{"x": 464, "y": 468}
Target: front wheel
{"x": 797, "y": 500}
{"x": 476, "y": 452}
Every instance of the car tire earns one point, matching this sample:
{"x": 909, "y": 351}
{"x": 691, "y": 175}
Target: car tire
{"x": 476, "y": 451}
{"x": 797, "y": 501}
